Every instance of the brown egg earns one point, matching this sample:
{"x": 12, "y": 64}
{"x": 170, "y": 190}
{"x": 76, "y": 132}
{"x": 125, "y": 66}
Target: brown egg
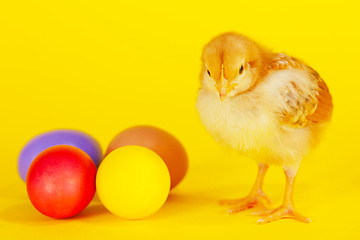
{"x": 161, "y": 142}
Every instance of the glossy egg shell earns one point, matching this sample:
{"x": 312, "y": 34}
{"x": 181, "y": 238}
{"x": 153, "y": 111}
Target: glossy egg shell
{"x": 61, "y": 181}
{"x": 133, "y": 182}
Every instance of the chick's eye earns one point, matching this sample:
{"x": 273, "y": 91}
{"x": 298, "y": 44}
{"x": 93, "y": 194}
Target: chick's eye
{"x": 208, "y": 72}
{"x": 241, "y": 69}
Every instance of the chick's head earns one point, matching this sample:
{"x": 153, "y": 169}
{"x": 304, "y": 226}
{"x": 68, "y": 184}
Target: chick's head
{"x": 232, "y": 65}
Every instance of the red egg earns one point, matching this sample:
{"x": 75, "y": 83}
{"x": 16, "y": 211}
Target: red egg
{"x": 161, "y": 142}
{"x": 61, "y": 181}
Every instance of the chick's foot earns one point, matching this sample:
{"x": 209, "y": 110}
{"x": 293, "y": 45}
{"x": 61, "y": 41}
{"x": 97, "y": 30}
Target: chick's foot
{"x": 282, "y": 212}
{"x": 259, "y": 200}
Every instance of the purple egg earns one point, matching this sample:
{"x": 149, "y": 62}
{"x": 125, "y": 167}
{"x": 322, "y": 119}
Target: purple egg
{"x": 58, "y": 137}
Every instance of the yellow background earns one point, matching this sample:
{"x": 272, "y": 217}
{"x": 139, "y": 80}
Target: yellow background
{"x": 102, "y": 66}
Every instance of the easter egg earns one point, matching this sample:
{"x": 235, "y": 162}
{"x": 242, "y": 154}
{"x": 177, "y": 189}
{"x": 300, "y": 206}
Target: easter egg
{"x": 61, "y": 181}
{"x": 163, "y": 143}
{"x": 58, "y": 137}
{"x": 133, "y": 182}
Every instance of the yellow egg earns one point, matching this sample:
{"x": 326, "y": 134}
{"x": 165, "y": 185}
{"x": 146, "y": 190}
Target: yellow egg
{"x": 133, "y": 182}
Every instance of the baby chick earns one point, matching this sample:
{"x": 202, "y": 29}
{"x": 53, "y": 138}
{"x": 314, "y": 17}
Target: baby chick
{"x": 270, "y": 106}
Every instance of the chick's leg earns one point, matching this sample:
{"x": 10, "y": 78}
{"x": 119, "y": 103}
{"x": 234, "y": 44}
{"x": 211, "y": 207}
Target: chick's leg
{"x": 287, "y": 209}
{"x": 256, "y": 197}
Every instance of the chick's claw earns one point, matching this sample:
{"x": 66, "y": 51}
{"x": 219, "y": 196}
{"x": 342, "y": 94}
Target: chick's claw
{"x": 258, "y": 201}
{"x": 265, "y": 212}
{"x": 246, "y": 205}
{"x": 281, "y": 213}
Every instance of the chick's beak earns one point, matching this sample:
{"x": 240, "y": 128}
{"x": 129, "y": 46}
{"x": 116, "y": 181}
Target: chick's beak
{"x": 223, "y": 88}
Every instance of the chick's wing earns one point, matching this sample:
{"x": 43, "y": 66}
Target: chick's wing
{"x": 304, "y": 95}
